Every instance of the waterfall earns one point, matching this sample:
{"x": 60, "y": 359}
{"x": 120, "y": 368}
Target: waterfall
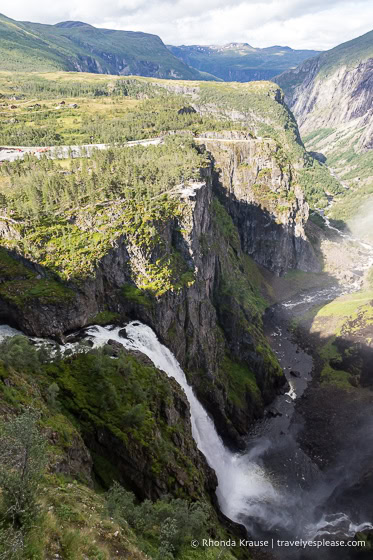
{"x": 243, "y": 486}
{"x": 6, "y": 331}
{"x": 246, "y": 491}
{"x": 268, "y": 500}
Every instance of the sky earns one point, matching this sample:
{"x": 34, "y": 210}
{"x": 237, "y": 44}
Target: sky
{"x": 300, "y": 24}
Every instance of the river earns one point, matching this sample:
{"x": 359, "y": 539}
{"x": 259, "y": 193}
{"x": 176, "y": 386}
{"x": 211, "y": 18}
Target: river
{"x": 273, "y": 488}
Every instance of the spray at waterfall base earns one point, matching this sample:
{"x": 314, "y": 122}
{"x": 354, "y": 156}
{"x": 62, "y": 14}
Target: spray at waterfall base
{"x": 248, "y": 492}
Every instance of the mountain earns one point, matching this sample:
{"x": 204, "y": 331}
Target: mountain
{"x": 331, "y": 97}
{"x": 77, "y": 46}
{"x": 152, "y": 268}
{"x": 241, "y": 62}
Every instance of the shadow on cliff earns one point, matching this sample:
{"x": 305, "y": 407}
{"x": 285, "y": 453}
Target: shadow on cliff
{"x": 272, "y": 244}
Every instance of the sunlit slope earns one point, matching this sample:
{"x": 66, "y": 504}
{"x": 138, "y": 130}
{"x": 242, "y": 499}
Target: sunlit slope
{"x": 77, "y": 46}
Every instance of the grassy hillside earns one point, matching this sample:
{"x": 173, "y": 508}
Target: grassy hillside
{"x": 31, "y": 47}
{"x": 241, "y": 62}
{"x": 22, "y": 49}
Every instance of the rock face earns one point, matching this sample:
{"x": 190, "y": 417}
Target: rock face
{"x": 334, "y": 90}
{"x": 259, "y": 192}
{"x": 339, "y": 98}
{"x": 331, "y": 98}
{"x": 213, "y": 322}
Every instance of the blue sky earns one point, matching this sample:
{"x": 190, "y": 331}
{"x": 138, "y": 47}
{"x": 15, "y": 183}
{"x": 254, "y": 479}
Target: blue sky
{"x": 302, "y": 24}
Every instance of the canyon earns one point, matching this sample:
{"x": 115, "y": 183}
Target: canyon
{"x": 203, "y": 263}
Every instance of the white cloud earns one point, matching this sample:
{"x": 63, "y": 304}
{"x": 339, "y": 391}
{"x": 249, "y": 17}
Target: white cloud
{"x": 312, "y": 24}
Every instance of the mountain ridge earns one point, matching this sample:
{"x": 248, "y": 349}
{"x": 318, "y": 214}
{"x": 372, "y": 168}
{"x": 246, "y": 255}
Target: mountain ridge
{"x": 331, "y": 98}
{"x": 77, "y": 46}
{"x": 240, "y": 62}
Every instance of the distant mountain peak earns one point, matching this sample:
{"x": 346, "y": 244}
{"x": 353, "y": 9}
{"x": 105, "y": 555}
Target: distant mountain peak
{"x": 240, "y": 62}
{"x": 237, "y": 45}
{"x": 71, "y": 24}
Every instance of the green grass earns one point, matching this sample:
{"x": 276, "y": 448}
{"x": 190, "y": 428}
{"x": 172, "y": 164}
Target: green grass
{"x": 318, "y": 135}
{"x": 345, "y": 306}
{"x": 336, "y": 378}
{"x": 118, "y": 115}
{"x": 104, "y": 318}
{"x": 20, "y": 285}
{"x": 135, "y": 295}
{"x": 242, "y": 385}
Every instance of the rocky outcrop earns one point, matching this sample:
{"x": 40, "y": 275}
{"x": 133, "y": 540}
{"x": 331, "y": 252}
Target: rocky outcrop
{"x": 336, "y": 99}
{"x": 74, "y": 460}
{"x": 182, "y": 471}
{"x": 211, "y": 321}
{"x": 264, "y": 201}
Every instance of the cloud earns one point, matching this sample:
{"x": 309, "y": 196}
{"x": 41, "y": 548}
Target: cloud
{"x": 312, "y": 24}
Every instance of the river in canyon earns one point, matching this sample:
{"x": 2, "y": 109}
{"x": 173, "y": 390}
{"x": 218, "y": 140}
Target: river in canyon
{"x": 273, "y": 488}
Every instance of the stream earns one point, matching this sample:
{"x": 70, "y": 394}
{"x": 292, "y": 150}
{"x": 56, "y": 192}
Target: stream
{"x": 273, "y": 488}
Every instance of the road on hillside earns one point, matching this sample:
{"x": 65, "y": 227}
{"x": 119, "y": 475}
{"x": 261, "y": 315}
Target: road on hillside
{"x": 13, "y": 153}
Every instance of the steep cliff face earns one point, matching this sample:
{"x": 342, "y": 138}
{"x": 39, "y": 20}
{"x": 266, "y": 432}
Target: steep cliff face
{"x": 339, "y": 96}
{"x": 331, "y": 97}
{"x": 261, "y": 193}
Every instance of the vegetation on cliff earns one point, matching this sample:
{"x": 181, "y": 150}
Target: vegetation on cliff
{"x": 51, "y": 501}
{"x": 67, "y": 220}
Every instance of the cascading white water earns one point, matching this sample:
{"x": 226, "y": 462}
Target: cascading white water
{"x": 243, "y": 485}
{"x": 7, "y": 331}
{"x": 246, "y": 492}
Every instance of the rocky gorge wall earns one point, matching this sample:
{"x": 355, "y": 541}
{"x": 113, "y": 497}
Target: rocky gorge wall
{"x": 211, "y": 318}
{"x": 260, "y": 192}
{"x": 338, "y": 98}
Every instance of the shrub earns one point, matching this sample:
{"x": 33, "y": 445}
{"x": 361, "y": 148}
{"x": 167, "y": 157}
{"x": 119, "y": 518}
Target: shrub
{"x": 22, "y": 463}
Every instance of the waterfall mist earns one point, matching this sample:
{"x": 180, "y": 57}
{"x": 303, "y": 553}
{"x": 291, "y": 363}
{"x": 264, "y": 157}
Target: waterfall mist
{"x": 250, "y": 489}
{"x": 273, "y": 488}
